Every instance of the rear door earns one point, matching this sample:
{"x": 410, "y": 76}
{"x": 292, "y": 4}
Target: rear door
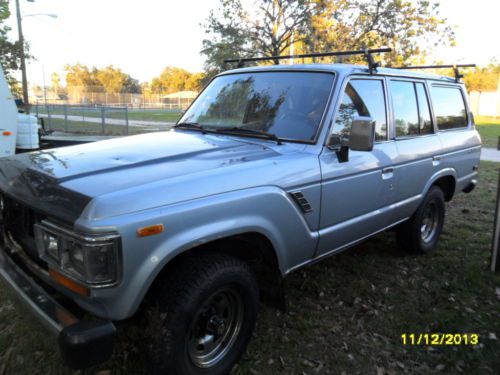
{"x": 357, "y": 194}
{"x": 417, "y": 143}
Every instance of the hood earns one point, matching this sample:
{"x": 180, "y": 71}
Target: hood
{"x": 66, "y": 179}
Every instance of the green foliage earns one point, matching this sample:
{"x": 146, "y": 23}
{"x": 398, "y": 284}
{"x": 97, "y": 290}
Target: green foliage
{"x": 266, "y": 29}
{"x": 9, "y": 51}
{"x": 109, "y": 79}
{"x": 322, "y": 25}
{"x": 483, "y": 79}
{"x": 174, "y": 79}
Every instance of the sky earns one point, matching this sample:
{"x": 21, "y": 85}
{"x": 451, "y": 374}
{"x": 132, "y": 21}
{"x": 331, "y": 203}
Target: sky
{"x": 143, "y": 37}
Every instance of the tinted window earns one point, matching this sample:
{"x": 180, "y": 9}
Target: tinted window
{"x": 288, "y": 104}
{"x": 362, "y": 97}
{"x": 424, "y": 110}
{"x": 405, "y": 108}
{"x": 449, "y": 107}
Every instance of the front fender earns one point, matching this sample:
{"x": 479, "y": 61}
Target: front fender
{"x": 265, "y": 210}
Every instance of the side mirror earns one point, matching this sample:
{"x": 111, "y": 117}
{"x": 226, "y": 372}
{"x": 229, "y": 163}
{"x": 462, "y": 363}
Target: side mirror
{"x": 362, "y": 136}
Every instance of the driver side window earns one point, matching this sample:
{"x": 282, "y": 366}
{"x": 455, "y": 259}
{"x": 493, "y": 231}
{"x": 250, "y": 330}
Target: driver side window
{"x": 362, "y": 97}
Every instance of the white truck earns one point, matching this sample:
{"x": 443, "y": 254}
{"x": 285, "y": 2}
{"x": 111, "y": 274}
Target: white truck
{"x": 18, "y": 131}
{"x": 8, "y": 119}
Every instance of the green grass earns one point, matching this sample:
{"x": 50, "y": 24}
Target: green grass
{"x": 346, "y": 314}
{"x": 90, "y": 128}
{"x": 138, "y": 115}
{"x": 489, "y": 128}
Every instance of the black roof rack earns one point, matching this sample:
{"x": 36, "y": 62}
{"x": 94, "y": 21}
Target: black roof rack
{"x": 372, "y": 65}
{"x": 455, "y": 67}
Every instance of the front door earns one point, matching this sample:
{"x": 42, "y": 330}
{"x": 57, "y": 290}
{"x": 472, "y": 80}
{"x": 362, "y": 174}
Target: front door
{"x": 357, "y": 194}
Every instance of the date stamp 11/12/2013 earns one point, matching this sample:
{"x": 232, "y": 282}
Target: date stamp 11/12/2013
{"x": 440, "y": 338}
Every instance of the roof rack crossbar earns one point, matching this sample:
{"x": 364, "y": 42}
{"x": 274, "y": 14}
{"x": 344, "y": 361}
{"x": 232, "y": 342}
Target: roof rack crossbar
{"x": 372, "y": 65}
{"x": 455, "y": 67}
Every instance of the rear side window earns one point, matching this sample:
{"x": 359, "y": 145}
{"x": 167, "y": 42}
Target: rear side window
{"x": 405, "y": 108}
{"x": 449, "y": 107}
{"x": 362, "y": 97}
{"x": 411, "y": 109}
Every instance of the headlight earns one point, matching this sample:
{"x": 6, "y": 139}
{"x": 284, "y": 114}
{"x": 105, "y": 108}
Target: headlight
{"x": 93, "y": 260}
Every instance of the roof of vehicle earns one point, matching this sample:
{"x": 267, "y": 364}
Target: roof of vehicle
{"x": 344, "y": 69}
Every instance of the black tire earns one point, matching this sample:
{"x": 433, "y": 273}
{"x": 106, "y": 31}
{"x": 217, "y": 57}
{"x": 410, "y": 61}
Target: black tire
{"x": 205, "y": 296}
{"x": 420, "y": 234}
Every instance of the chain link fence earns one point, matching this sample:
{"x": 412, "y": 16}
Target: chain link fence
{"x": 89, "y": 96}
{"x": 104, "y": 120}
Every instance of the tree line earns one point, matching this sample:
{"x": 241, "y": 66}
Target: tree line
{"x": 113, "y": 80}
{"x": 240, "y": 29}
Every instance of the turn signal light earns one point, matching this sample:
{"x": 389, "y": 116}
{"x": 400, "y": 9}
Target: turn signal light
{"x": 151, "y": 230}
{"x": 7, "y": 133}
{"x": 68, "y": 283}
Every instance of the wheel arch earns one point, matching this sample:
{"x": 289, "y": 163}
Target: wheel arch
{"x": 254, "y": 248}
{"x": 446, "y": 180}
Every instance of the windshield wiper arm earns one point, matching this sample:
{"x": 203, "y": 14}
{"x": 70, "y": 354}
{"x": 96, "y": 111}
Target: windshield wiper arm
{"x": 265, "y": 134}
{"x": 191, "y": 125}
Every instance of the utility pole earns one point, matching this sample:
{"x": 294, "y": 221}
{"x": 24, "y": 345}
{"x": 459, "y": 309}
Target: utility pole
{"x": 22, "y": 56}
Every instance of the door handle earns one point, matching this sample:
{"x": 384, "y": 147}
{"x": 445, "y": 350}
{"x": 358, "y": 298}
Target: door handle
{"x": 387, "y": 173}
{"x": 387, "y": 170}
{"x": 436, "y": 160}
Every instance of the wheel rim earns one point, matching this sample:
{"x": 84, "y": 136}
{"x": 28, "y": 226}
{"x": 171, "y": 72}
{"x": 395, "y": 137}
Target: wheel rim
{"x": 215, "y": 328}
{"x": 430, "y": 222}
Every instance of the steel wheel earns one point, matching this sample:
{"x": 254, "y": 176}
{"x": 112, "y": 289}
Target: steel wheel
{"x": 430, "y": 222}
{"x": 215, "y": 328}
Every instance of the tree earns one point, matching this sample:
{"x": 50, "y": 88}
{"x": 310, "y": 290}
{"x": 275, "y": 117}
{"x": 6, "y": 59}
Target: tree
{"x": 195, "y": 82}
{"x": 267, "y": 31}
{"x": 9, "y": 51}
{"x": 112, "y": 79}
{"x": 131, "y": 86}
{"x": 174, "y": 79}
{"x": 82, "y": 77}
{"x": 483, "y": 79}
{"x": 410, "y": 27}
{"x": 109, "y": 79}
{"x": 323, "y": 25}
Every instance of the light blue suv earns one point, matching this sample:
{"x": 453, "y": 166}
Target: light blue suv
{"x": 270, "y": 170}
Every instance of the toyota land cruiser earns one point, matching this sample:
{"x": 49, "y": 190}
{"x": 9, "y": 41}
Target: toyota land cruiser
{"x": 271, "y": 169}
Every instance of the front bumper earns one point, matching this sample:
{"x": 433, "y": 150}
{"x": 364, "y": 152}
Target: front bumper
{"x": 83, "y": 343}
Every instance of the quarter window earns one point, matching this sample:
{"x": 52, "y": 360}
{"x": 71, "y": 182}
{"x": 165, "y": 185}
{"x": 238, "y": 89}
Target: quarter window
{"x": 449, "y": 107}
{"x": 362, "y": 97}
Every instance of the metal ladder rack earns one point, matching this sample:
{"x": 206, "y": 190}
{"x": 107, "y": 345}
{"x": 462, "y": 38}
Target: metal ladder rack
{"x": 455, "y": 67}
{"x": 368, "y": 53}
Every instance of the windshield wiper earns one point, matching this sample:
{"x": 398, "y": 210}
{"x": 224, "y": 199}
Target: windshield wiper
{"x": 265, "y": 134}
{"x": 191, "y": 125}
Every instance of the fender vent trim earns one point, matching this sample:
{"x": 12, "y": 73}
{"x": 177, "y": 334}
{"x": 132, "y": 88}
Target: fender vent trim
{"x": 302, "y": 201}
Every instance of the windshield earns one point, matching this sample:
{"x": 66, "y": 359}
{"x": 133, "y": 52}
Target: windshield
{"x": 286, "y": 104}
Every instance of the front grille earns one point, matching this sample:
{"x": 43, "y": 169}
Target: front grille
{"x": 19, "y": 221}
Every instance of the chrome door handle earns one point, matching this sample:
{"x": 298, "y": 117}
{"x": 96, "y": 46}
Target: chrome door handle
{"x": 387, "y": 173}
{"x": 436, "y": 158}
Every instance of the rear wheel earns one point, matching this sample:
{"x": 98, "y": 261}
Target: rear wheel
{"x": 201, "y": 317}
{"x": 420, "y": 234}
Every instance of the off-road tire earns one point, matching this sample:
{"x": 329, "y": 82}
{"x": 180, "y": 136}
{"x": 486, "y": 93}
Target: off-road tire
{"x": 174, "y": 304}
{"x": 410, "y": 234}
